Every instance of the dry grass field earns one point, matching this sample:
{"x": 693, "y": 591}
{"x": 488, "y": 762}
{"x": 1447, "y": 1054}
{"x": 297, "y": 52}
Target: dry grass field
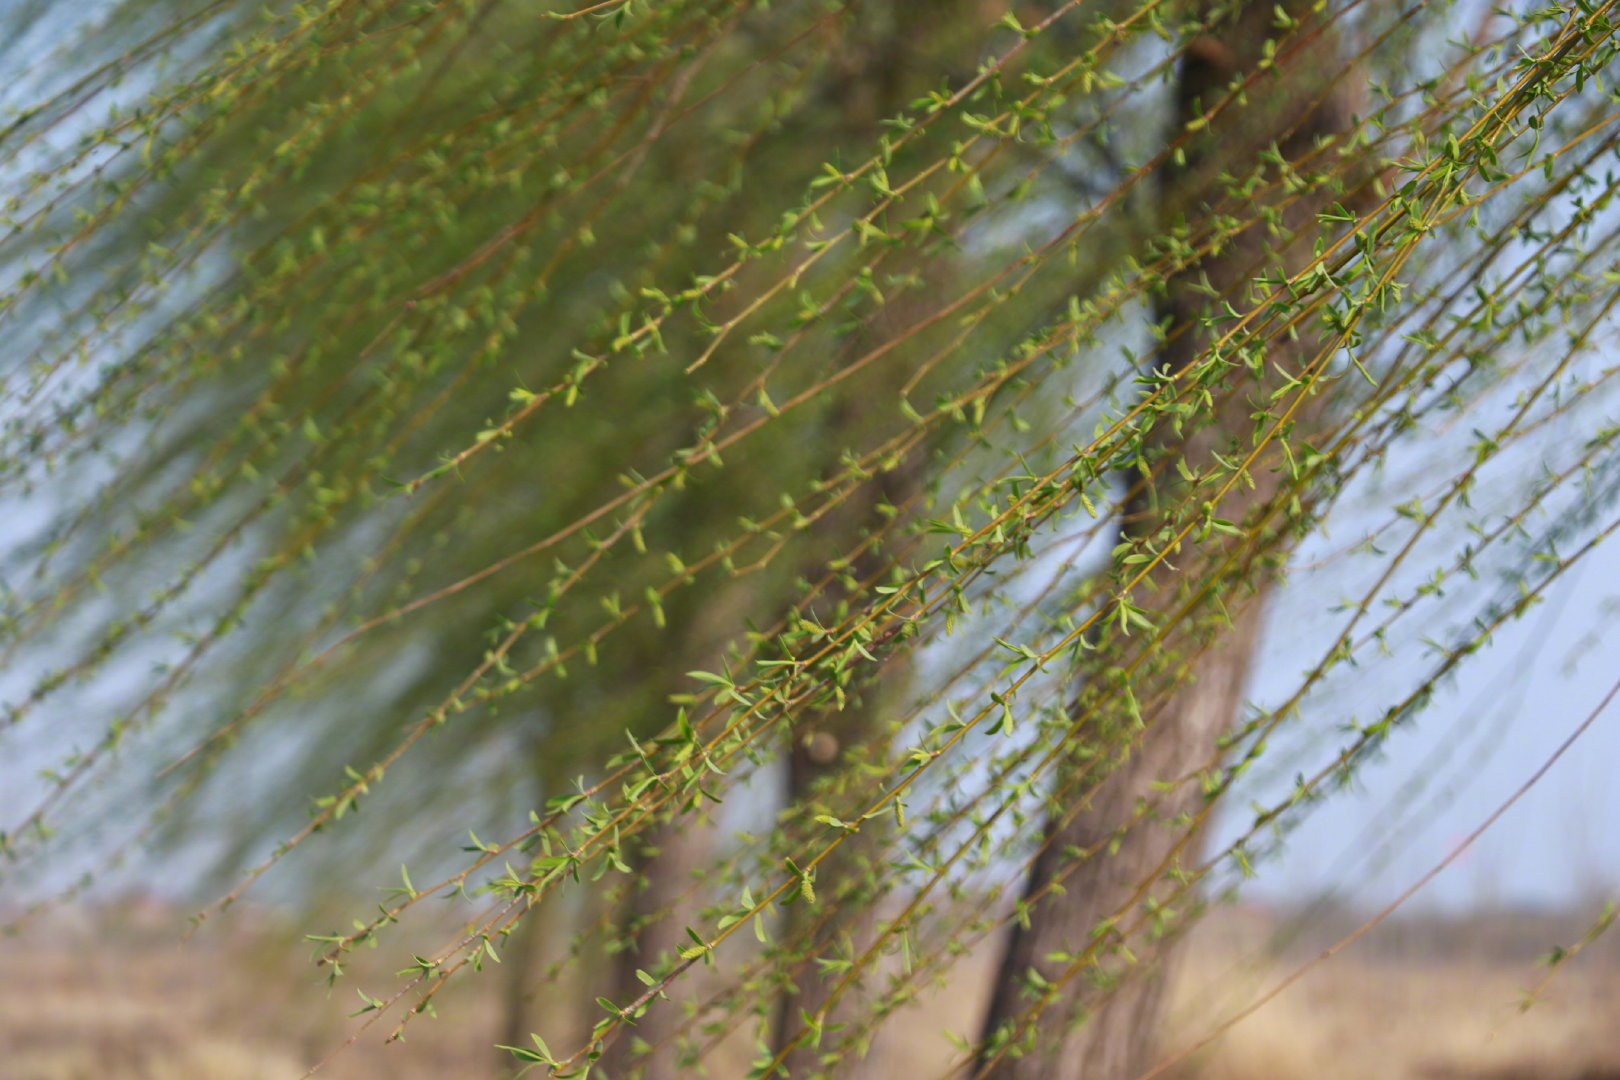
{"x": 118, "y": 997}
{"x": 1418, "y": 999}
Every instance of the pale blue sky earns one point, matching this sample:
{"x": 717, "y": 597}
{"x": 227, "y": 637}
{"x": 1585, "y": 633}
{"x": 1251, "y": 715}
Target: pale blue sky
{"x": 1506, "y": 715}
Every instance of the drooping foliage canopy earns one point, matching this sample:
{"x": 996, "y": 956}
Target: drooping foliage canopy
{"x": 541, "y": 418}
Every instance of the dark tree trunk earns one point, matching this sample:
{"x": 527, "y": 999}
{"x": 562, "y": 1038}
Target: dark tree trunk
{"x": 829, "y": 754}
{"x": 828, "y": 757}
{"x": 844, "y": 918}
{"x": 1101, "y": 1024}
{"x": 524, "y": 956}
{"x": 667, "y": 901}
{"x": 666, "y": 860}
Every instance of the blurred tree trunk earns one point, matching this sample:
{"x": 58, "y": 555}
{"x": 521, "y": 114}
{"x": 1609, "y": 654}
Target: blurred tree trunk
{"x": 524, "y": 955}
{"x": 827, "y": 759}
{"x": 666, "y": 860}
{"x": 1101, "y": 1026}
{"x": 874, "y": 73}
{"x": 665, "y": 903}
{"x": 884, "y": 62}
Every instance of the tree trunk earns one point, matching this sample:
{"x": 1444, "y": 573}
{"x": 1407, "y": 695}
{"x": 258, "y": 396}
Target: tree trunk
{"x": 666, "y": 862}
{"x": 1103, "y": 1027}
{"x": 829, "y": 753}
{"x": 523, "y": 956}
{"x": 667, "y": 902}
{"x": 843, "y": 921}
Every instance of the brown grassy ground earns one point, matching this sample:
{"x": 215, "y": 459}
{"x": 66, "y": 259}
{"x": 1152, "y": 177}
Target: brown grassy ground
{"x": 1420, "y": 999}
{"x": 118, "y": 997}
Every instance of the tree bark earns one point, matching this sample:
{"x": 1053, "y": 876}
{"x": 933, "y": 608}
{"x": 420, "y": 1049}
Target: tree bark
{"x": 524, "y": 955}
{"x": 826, "y": 759}
{"x": 673, "y": 853}
{"x": 666, "y": 860}
{"x": 849, "y": 883}
{"x": 1103, "y": 1027}
{"x": 828, "y": 753}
